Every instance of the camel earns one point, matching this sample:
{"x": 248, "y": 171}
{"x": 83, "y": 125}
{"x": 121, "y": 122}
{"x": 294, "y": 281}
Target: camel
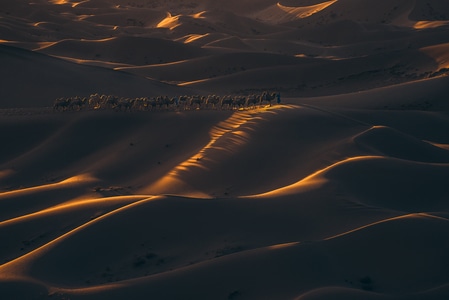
{"x": 253, "y": 101}
{"x": 61, "y": 104}
{"x": 212, "y": 101}
{"x": 266, "y": 96}
{"x": 238, "y": 102}
{"x": 226, "y": 102}
{"x": 76, "y": 103}
{"x": 183, "y": 101}
{"x": 197, "y": 102}
{"x": 124, "y": 104}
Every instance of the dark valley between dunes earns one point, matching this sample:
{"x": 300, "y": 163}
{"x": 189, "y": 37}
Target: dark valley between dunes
{"x": 224, "y": 149}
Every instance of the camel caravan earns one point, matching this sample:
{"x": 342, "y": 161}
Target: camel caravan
{"x": 164, "y": 103}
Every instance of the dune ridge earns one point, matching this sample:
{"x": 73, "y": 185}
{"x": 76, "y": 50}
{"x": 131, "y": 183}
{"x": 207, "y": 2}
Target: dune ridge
{"x": 335, "y": 190}
{"x": 279, "y": 13}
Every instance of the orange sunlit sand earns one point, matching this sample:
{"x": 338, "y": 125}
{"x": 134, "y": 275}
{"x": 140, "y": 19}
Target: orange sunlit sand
{"x": 211, "y": 149}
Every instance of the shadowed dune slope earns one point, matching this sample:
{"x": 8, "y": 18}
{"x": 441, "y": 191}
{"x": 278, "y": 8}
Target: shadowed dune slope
{"x": 319, "y": 77}
{"x": 36, "y": 80}
{"x": 130, "y": 50}
{"x": 339, "y": 190}
{"x": 405, "y": 185}
{"x": 380, "y": 264}
{"x": 332, "y": 215}
{"x": 389, "y": 142}
{"x": 429, "y": 94}
{"x": 214, "y": 66}
{"x": 142, "y": 145}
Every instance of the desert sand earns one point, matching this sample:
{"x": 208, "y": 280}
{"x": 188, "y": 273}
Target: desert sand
{"x": 340, "y": 191}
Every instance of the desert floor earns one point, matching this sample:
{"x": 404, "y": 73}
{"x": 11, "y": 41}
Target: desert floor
{"x": 340, "y": 191}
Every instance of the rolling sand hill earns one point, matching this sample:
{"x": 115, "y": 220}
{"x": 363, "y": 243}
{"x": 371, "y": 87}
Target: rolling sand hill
{"x": 340, "y": 191}
{"x": 31, "y": 79}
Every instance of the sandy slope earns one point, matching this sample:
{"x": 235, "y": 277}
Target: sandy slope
{"x": 339, "y": 192}
{"x": 383, "y": 41}
{"x": 310, "y": 189}
{"x": 34, "y": 80}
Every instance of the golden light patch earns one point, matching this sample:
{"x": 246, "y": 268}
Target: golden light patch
{"x": 306, "y": 11}
{"x": 170, "y": 22}
{"x": 285, "y": 245}
{"x": 62, "y": 2}
{"x": 429, "y": 24}
{"x": 193, "y": 37}
{"x": 198, "y": 15}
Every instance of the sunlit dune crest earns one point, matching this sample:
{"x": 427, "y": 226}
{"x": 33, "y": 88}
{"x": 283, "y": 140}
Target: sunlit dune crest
{"x": 100, "y": 63}
{"x": 79, "y": 179}
{"x": 77, "y": 203}
{"x": 99, "y": 40}
{"x": 192, "y": 82}
{"x": 75, "y": 180}
{"x": 39, "y": 23}
{"x": 62, "y": 2}
{"x": 170, "y": 22}
{"x": 78, "y": 3}
{"x": 284, "y": 245}
{"x": 440, "y": 53}
{"x": 14, "y": 267}
{"x": 313, "y": 181}
{"x": 83, "y": 17}
{"x": 401, "y": 217}
{"x": 43, "y": 45}
{"x": 193, "y": 37}
{"x": 279, "y": 13}
{"x": 199, "y": 15}
{"x": 229, "y": 130}
{"x": 442, "y": 146}
{"x": 306, "y": 11}
{"x": 195, "y": 161}
{"x": 429, "y": 24}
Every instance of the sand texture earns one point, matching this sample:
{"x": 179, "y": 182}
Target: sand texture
{"x": 140, "y": 158}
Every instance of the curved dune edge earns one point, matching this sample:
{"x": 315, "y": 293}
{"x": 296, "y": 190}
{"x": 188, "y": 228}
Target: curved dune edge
{"x": 313, "y": 181}
{"x": 170, "y": 22}
{"x": 440, "y": 53}
{"x": 393, "y": 143}
{"x": 429, "y": 24}
{"x": 20, "y": 263}
{"x": 18, "y": 203}
{"x": 72, "y": 181}
{"x": 230, "y": 130}
{"x": 338, "y": 192}
{"x": 306, "y": 11}
{"x": 387, "y": 190}
{"x": 283, "y": 255}
{"x": 279, "y": 13}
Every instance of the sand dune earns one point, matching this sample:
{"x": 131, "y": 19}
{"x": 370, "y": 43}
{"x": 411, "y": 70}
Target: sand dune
{"x": 213, "y": 66}
{"x": 323, "y": 76}
{"x": 337, "y": 192}
{"x": 428, "y": 94}
{"x": 279, "y": 13}
{"x": 131, "y": 50}
{"x": 314, "y": 263}
{"x": 439, "y": 53}
{"x": 50, "y": 78}
{"x": 389, "y": 142}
